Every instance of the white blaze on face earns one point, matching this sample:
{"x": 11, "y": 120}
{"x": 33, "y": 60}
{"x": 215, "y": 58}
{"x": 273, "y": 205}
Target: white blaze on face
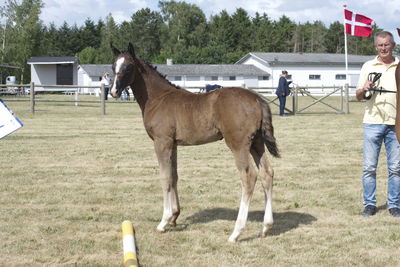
{"x": 118, "y": 66}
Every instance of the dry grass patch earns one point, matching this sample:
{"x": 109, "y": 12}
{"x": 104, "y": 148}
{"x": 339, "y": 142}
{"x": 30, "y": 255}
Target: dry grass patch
{"x": 70, "y": 176}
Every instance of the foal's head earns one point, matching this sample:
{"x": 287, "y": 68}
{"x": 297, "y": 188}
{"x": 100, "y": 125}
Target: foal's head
{"x": 125, "y": 69}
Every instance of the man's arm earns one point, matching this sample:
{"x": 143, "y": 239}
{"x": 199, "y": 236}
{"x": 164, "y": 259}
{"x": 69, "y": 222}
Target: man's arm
{"x": 363, "y": 83}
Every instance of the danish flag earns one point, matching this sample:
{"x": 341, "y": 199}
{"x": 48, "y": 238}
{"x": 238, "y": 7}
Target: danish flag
{"x": 356, "y": 24}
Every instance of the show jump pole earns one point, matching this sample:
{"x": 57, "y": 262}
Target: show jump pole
{"x": 128, "y": 239}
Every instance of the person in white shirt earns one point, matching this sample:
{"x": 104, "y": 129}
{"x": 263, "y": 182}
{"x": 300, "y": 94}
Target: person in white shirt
{"x": 379, "y": 124}
{"x": 106, "y": 80}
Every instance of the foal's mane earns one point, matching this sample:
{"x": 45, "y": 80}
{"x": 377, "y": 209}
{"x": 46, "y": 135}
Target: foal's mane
{"x": 154, "y": 70}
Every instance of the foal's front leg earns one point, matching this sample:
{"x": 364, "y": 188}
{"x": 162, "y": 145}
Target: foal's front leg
{"x": 167, "y": 158}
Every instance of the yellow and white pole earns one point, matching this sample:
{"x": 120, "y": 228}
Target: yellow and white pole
{"x": 128, "y": 239}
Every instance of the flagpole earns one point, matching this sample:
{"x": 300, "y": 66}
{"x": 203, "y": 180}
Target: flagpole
{"x": 345, "y": 46}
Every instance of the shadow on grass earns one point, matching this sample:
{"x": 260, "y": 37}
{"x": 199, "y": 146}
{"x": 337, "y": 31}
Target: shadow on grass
{"x": 283, "y": 221}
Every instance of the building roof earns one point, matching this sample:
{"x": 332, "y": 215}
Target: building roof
{"x": 94, "y": 70}
{"x": 306, "y": 58}
{"x": 210, "y": 70}
{"x": 53, "y": 60}
{"x": 187, "y": 70}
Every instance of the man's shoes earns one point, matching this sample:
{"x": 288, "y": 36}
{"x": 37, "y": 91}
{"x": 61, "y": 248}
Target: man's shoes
{"x": 370, "y": 211}
{"x": 395, "y": 212}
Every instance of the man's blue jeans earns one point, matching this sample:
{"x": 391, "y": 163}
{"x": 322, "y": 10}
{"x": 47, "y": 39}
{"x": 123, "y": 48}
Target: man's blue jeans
{"x": 282, "y": 103}
{"x": 374, "y": 136}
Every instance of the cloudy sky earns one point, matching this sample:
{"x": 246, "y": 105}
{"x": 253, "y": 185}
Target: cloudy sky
{"x": 385, "y": 13}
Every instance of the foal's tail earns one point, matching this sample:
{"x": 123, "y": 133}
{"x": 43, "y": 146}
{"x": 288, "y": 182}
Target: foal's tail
{"x": 267, "y": 130}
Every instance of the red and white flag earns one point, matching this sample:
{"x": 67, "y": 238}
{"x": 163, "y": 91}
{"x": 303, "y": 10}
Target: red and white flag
{"x": 356, "y": 24}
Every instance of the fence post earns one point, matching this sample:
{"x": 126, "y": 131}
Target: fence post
{"x": 341, "y": 98}
{"x": 103, "y": 99}
{"x": 76, "y": 96}
{"x": 346, "y": 99}
{"x": 294, "y": 100}
{"x": 32, "y": 97}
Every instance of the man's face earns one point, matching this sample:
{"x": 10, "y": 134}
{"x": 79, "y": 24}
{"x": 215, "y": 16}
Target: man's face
{"x": 384, "y": 47}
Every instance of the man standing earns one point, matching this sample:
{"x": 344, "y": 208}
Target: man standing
{"x": 283, "y": 91}
{"x": 106, "y": 80}
{"x": 379, "y": 125}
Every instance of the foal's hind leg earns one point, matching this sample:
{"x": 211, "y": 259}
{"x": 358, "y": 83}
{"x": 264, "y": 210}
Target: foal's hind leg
{"x": 248, "y": 178}
{"x": 266, "y": 174}
{"x": 167, "y": 158}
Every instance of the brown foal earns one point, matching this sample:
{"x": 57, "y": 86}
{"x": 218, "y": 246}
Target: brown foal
{"x": 173, "y": 116}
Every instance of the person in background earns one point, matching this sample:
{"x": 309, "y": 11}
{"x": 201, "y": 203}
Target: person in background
{"x": 379, "y": 125}
{"x": 283, "y": 91}
{"x": 106, "y": 80}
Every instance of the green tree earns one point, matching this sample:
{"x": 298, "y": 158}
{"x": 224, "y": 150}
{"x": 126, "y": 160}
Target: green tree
{"x": 186, "y": 25}
{"x": 262, "y": 33}
{"x": 283, "y": 33}
{"x": 89, "y": 35}
{"x": 220, "y": 36}
{"x": 49, "y": 42}
{"x": 89, "y": 55}
{"x": 317, "y": 42}
{"x": 23, "y": 34}
{"x": 334, "y": 38}
{"x": 109, "y": 34}
{"x": 148, "y": 30}
{"x": 241, "y": 31}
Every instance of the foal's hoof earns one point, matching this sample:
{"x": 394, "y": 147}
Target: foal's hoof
{"x": 233, "y": 238}
{"x": 263, "y": 234}
{"x": 160, "y": 230}
{"x": 265, "y": 231}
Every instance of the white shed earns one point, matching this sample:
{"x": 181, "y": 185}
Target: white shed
{"x": 54, "y": 70}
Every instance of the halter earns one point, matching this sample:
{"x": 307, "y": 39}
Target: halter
{"x": 374, "y": 77}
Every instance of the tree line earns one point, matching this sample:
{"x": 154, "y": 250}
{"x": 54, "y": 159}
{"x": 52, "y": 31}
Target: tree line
{"x": 179, "y": 30}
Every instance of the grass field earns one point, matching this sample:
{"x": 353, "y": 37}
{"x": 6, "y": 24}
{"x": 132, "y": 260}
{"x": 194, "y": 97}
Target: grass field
{"x": 70, "y": 176}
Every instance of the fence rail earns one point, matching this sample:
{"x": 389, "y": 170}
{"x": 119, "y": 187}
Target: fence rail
{"x": 317, "y": 98}
{"x": 69, "y": 89}
{"x": 266, "y": 92}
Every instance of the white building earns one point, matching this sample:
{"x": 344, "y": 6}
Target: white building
{"x": 307, "y": 69}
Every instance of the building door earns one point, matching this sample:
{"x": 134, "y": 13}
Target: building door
{"x": 65, "y": 74}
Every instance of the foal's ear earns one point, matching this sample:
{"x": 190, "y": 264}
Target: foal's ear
{"x": 131, "y": 50}
{"x": 115, "y": 51}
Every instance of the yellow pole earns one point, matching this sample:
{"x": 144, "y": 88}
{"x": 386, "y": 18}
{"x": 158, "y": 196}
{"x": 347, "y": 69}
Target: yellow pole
{"x": 128, "y": 238}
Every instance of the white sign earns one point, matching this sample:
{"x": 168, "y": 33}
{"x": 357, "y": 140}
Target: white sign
{"x": 8, "y": 122}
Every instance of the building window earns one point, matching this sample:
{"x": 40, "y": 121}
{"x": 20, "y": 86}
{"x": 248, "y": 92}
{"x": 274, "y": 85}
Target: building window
{"x": 263, "y": 78}
{"x": 211, "y": 78}
{"x": 175, "y": 78}
{"x": 340, "y": 76}
{"x": 314, "y": 77}
{"x": 192, "y": 78}
{"x": 229, "y": 78}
